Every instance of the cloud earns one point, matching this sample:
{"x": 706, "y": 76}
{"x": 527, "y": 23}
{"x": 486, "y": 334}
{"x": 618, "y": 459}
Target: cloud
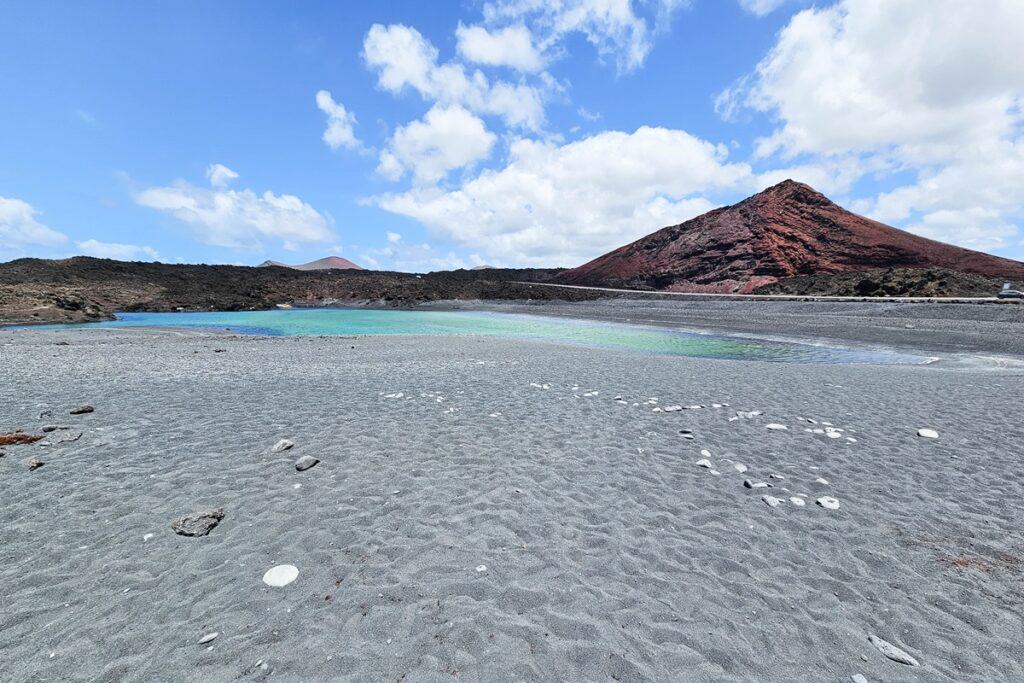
{"x": 922, "y": 88}
{"x": 240, "y": 219}
{"x": 511, "y": 46}
{"x": 340, "y": 122}
{"x": 926, "y": 76}
{"x": 615, "y": 28}
{"x": 413, "y": 258}
{"x": 403, "y": 58}
{"x": 19, "y": 227}
{"x": 220, "y": 175}
{"x": 120, "y": 252}
{"x": 86, "y": 117}
{"x": 563, "y": 205}
{"x": 445, "y": 139}
{"x": 762, "y": 7}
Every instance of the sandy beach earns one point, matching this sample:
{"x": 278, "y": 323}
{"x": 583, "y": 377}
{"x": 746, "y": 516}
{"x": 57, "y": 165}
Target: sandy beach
{"x": 491, "y": 509}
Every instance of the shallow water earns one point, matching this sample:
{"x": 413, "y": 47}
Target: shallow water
{"x": 324, "y": 321}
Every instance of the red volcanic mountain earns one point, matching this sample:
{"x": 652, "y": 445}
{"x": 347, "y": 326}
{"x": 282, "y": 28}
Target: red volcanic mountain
{"x": 329, "y": 263}
{"x": 786, "y": 231}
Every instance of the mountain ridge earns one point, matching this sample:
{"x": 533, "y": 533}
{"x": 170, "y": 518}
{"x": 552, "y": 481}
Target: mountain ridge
{"x": 787, "y": 230}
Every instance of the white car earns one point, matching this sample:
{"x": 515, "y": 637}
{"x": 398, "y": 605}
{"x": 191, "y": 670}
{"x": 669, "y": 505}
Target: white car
{"x": 1007, "y": 293}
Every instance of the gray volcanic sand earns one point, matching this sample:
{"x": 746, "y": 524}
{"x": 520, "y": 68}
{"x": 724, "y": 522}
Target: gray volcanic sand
{"x": 609, "y": 553}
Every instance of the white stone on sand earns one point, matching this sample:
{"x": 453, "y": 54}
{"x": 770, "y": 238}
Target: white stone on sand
{"x": 772, "y": 501}
{"x": 928, "y": 433}
{"x": 796, "y": 500}
{"x": 776, "y": 427}
{"x": 282, "y": 445}
{"x": 892, "y": 652}
{"x": 281, "y": 575}
{"x": 481, "y": 568}
{"x": 828, "y": 502}
{"x": 740, "y": 467}
{"x": 704, "y": 463}
{"x": 209, "y": 637}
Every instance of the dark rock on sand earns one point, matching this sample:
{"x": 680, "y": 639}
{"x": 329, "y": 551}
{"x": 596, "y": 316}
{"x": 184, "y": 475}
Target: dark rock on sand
{"x": 35, "y": 464}
{"x": 198, "y": 523}
{"x": 306, "y": 462}
{"x": 82, "y": 410}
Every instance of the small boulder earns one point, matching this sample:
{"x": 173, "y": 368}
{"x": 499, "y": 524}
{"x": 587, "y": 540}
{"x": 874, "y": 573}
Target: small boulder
{"x": 35, "y": 464}
{"x": 828, "y": 502}
{"x": 306, "y": 462}
{"x": 282, "y": 445}
{"x": 928, "y": 433}
{"x": 82, "y": 410}
{"x": 198, "y": 523}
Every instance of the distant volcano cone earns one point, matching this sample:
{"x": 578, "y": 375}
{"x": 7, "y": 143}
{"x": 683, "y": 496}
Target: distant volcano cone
{"x": 785, "y": 231}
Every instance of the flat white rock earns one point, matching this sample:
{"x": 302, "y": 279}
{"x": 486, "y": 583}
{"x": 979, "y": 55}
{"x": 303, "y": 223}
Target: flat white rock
{"x": 772, "y": 501}
{"x": 704, "y": 463}
{"x": 795, "y": 500}
{"x": 282, "y": 445}
{"x": 776, "y": 427}
{"x": 281, "y": 575}
{"x": 740, "y": 467}
{"x": 828, "y": 502}
{"x": 928, "y": 433}
{"x": 209, "y": 637}
{"x": 892, "y": 652}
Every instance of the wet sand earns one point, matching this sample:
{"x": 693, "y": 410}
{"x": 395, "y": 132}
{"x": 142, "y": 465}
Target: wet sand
{"x": 486, "y": 509}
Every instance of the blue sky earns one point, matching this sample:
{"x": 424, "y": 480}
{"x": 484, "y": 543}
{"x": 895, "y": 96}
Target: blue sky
{"x": 421, "y": 136}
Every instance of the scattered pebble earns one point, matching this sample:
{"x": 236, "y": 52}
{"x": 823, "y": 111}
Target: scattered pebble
{"x": 740, "y": 467}
{"x": 481, "y": 568}
{"x": 772, "y": 501}
{"x": 822, "y": 481}
{"x": 82, "y": 410}
{"x": 147, "y": 537}
{"x": 282, "y": 445}
{"x": 928, "y": 433}
{"x": 892, "y": 652}
{"x": 306, "y": 462}
{"x": 796, "y": 500}
{"x": 756, "y": 485}
{"x": 198, "y": 523}
{"x": 776, "y": 427}
{"x": 35, "y": 464}
{"x": 281, "y": 575}
{"x": 828, "y": 502}
{"x": 704, "y": 463}
{"x": 858, "y": 678}
{"x": 208, "y": 638}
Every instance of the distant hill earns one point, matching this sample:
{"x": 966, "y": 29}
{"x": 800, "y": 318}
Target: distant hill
{"x": 83, "y": 288}
{"x": 787, "y": 231}
{"x": 328, "y": 263}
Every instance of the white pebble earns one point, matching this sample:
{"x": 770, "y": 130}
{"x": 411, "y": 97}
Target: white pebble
{"x": 208, "y": 638}
{"x": 795, "y": 500}
{"x": 776, "y": 427}
{"x": 704, "y": 463}
{"x": 281, "y": 575}
{"x": 740, "y": 467}
{"x": 481, "y": 568}
{"x": 828, "y": 502}
{"x": 928, "y": 433}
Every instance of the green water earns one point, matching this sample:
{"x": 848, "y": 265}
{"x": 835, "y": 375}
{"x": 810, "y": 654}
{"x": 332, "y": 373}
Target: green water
{"x": 323, "y": 321}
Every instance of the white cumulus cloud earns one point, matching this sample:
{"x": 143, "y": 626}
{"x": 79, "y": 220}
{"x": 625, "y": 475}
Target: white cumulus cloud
{"x": 220, "y": 175}
{"x": 240, "y": 219}
{"x": 447, "y": 138}
{"x": 511, "y": 46}
{"x": 120, "y": 252}
{"x": 563, "y": 205}
{"x": 617, "y": 29}
{"x": 19, "y": 227}
{"x": 340, "y": 122}
{"x": 403, "y": 58}
{"x": 929, "y": 88}
{"x": 762, "y": 7}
